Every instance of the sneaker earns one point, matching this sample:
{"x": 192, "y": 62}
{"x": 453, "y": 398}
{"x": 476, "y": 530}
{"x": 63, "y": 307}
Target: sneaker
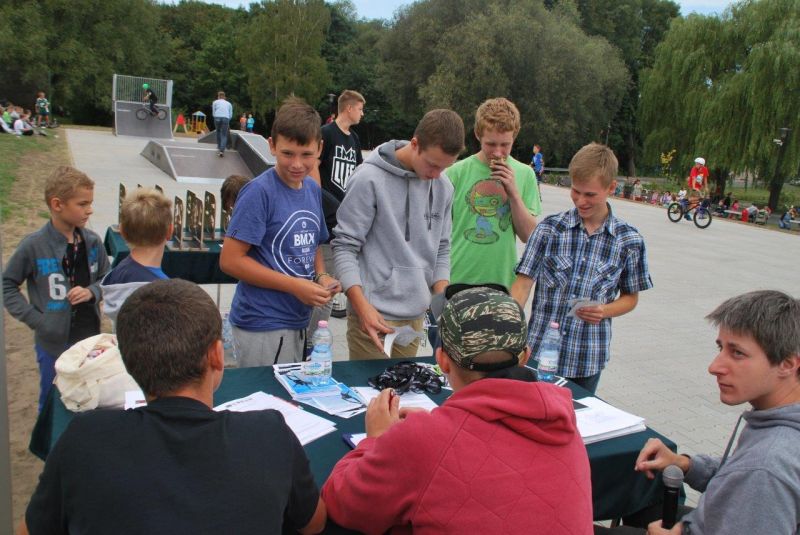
{"x": 220, "y": 154}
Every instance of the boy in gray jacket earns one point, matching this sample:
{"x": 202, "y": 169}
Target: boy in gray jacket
{"x": 754, "y": 487}
{"x": 61, "y": 263}
{"x": 392, "y": 244}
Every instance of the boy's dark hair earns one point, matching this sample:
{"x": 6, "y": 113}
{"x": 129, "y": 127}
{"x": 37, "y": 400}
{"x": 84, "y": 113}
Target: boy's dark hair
{"x": 64, "y": 182}
{"x": 164, "y": 330}
{"x": 297, "y": 121}
{"x": 220, "y": 94}
{"x": 230, "y": 189}
{"x": 594, "y": 160}
{"x": 772, "y": 318}
{"x": 145, "y": 217}
{"x": 443, "y": 129}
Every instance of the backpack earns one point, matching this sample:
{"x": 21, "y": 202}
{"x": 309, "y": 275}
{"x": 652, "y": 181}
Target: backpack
{"x": 91, "y": 375}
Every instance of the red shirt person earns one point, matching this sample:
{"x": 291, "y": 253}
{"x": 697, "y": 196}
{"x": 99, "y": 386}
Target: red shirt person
{"x": 698, "y": 176}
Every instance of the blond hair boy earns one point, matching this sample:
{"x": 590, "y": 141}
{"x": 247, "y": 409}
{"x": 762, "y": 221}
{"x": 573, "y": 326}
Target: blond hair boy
{"x": 581, "y": 255}
{"x": 496, "y": 200}
{"x": 145, "y": 222}
{"x": 61, "y": 264}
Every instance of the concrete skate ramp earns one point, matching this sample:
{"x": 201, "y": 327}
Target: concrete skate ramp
{"x": 253, "y": 148}
{"x": 126, "y": 123}
{"x": 195, "y": 164}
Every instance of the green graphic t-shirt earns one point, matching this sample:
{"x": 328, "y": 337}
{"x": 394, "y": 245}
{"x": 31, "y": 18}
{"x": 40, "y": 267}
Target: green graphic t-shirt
{"x": 483, "y": 245}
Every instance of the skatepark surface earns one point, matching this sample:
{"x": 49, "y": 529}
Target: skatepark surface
{"x": 127, "y": 124}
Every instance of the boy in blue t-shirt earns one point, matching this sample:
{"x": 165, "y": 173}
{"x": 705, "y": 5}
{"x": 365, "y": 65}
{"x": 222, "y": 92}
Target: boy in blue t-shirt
{"x": 272, "y": 242}
{"x": 145, "y": 222}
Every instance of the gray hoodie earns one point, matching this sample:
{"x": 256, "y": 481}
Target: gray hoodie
{"x": 757, "y": 489}
{"x": 393, "y": 234}
{"x": 37, "y": 261}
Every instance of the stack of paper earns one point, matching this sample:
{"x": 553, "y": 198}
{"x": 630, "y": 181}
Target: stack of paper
{"x": 335, "y": 398}
{"x": 306, "y": 426}
{"x": 600, "y": 421}
{"x": 292, "y": 379}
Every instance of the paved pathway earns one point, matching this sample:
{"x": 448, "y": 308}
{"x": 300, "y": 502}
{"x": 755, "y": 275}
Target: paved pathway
{"x": 660, "y": 351}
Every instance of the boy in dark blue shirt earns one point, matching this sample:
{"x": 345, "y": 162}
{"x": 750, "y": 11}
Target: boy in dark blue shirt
{"x": 145, "y": 222}
{"x": 272, "y": 242}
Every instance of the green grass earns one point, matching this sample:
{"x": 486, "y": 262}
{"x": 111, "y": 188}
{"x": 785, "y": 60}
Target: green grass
{"x": 15, "y": 151}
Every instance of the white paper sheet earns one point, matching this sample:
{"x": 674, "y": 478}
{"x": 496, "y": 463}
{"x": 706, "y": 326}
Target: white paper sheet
{"x": 401, "y": 336}
{"x": 601, "y": 421}
{"x": 305, "y": 425}
{"x": 579, "y": 303}
{"x": 407, "y": 400}
{"x": 134, "y": 398}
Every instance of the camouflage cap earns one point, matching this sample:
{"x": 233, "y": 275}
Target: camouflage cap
{"x": 479, "y": 320}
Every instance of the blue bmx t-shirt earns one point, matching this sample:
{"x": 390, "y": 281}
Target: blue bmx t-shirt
{"x": 284, "y": 227}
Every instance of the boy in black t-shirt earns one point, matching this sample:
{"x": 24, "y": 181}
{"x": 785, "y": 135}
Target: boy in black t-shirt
{"x": 151, "y": 98}
{"x": 175, "y": 465}
{"x": 341, "y": 154}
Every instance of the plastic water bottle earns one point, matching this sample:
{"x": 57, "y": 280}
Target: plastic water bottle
{"x": 548, "y": 354}
{"x": 321, "y": 359}
{"x": 227, "y": 339}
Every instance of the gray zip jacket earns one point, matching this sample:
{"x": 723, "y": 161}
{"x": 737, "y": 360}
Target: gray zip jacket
{"x": 757, "y": 489}
{"x": 37, "y": 261}
{"x": 392, "y": 236}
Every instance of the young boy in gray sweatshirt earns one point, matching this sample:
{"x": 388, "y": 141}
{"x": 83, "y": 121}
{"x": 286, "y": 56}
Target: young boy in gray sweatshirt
{"x": 755, "y": 486}
{"x": 392, "y": 244}
{"x": 62, "y": 264}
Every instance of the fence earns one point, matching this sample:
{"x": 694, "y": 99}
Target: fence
{"x": 129, "y": 89}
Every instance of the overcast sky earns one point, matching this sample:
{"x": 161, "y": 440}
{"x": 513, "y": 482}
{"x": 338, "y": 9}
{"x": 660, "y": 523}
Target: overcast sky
{"x": 383, "y": 9}
{"x": 376, "y": 9}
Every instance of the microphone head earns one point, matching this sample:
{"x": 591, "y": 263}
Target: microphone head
{"x": 672, "y": 476}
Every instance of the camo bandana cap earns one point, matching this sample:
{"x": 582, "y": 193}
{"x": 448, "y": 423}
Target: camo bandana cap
{"x": 479, "y": 320}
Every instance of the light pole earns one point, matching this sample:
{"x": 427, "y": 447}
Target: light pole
{"x": 777, "y": 179}
{"x": 331, "y": 99}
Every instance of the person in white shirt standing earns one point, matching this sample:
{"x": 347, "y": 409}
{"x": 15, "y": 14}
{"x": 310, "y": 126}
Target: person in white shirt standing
{"x": 222, "y": 110}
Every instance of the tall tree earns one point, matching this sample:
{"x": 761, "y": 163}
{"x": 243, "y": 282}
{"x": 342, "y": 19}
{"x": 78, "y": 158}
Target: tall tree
{"x": 566, "y": 84}
{"x": 723, "y": 87}
{"x": 280, "y": 50}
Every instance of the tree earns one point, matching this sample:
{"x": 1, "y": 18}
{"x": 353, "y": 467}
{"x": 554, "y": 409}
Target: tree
{"x": 723, "y": 87}
{"x": 567, "y": 85}
{"x": 280, "y": 52}
{"x": 83, "y": 43}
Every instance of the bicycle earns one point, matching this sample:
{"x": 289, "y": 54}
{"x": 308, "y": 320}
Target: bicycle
{"x": 145, "y": 111}
{"x": 701, "y": 215}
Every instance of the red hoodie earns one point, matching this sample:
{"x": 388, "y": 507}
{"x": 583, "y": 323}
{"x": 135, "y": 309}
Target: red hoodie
{"x": 499, "y": 456}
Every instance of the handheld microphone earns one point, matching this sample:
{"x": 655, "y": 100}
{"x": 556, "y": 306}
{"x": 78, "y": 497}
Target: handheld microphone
{"x": 672, "y": 477}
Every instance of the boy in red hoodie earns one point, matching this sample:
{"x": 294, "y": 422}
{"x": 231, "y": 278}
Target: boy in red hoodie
{"x": 501, "y": 455}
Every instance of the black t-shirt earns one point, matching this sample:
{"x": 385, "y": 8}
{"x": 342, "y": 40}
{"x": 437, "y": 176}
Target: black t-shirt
{"x": 151, "y": 96}
{"x": 174, "y": 467}
{"x": 84, "y": 322}
{"x": 341, "y": 153}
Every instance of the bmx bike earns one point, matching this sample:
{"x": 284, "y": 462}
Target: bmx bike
{"x": 144, "y": 112}
{"x": 699, "y": 210}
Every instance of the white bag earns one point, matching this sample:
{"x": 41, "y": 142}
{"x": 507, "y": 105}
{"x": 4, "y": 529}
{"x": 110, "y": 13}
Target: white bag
{"x": 91, "y": 375}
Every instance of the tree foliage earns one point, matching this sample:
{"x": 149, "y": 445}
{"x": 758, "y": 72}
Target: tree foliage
{"x": 280, "y": 52}
{"x": 722, "y": 87}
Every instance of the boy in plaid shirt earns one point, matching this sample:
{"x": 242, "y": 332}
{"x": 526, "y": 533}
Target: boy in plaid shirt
{"x": 584, "y": 254}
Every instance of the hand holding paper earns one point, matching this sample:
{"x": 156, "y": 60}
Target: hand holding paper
{"x": 401, "y": 336}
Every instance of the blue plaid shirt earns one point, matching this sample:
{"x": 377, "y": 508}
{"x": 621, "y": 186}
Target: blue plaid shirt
{"x": 567, "y": 263}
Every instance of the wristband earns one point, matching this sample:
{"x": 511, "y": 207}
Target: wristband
{"x": 320, "y": 275}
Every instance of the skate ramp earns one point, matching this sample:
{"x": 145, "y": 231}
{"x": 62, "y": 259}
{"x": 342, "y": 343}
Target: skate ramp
{"x": 253, "y": 148}
{"x": 195, "y": 164}
{"x": 126, "y": 123}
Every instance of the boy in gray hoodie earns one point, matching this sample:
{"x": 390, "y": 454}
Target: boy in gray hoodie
{"x": 754, "y": 487}
{"x": 61, "y": 263}
{"x": 392, "y": 244}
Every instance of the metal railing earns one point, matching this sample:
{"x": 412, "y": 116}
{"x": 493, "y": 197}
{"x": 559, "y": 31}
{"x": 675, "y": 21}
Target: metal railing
{"x": 129, "y": 89}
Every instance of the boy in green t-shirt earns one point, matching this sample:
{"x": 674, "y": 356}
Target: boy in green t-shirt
{"x": 496, "y": 199}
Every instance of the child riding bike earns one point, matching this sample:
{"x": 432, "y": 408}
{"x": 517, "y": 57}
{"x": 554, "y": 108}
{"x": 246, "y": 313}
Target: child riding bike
{"x": 151, "y": 98}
